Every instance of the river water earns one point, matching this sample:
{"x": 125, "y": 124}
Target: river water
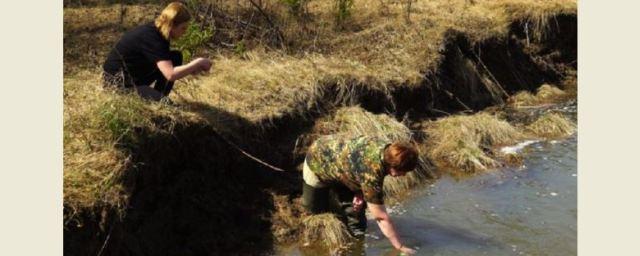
{"x": 516, "y": 211}
{"x": 527, "y": 210}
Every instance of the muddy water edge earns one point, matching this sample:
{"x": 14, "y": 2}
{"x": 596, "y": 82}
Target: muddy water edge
{"x": 190, "y": 196}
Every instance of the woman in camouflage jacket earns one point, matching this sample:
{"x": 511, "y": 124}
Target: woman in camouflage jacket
{"x": 354, "y": 168}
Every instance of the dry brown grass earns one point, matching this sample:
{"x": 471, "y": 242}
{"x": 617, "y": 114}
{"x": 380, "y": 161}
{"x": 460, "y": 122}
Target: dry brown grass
{"x": 536, "y": 14}
{"x": 326, "y": 229}
{"x": 286, "y": 219}
{"x": 98, "y": 123}
{"x": 570, "y": 84}
{"x": 466, "y": 142}
{"x": 551, "y": 125}
{"x": 379, "y": 48}
{"x": 269, "y": 86}
{"x": 546, "y": 94}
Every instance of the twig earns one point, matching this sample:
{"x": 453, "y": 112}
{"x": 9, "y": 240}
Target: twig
{"x": 251, "y": 156}
{"x": 457, "y": 99}
{"x": 490, "y": 74}
{"x": 409, "y": 11}
{"x": 106, "y": 240}
{"x": 440, "y": 111}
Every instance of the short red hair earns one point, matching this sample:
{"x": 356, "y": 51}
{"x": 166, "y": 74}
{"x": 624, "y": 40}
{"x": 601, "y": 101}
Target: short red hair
{"x": 401, "y": 156}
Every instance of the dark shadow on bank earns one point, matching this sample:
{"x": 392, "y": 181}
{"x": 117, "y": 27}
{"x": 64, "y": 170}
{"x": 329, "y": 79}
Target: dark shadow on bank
{"x": 190, "y": 193}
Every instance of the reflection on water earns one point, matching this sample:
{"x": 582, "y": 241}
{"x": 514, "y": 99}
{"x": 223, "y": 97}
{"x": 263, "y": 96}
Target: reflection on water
{"x": 515, "y": 211}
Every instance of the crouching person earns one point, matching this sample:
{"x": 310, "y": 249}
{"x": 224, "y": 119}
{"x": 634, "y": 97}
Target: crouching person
{"x": 142, "y": 57}
{"x": 354, "y": 168}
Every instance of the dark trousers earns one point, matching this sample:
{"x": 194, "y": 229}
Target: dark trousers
{"x": 161, "y": 84}
{"x": 317, "y": 200}
{"x": 161, "y": 87}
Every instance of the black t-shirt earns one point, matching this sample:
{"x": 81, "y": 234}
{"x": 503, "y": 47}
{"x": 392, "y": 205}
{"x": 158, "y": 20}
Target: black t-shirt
{"x": 137, "y": 53}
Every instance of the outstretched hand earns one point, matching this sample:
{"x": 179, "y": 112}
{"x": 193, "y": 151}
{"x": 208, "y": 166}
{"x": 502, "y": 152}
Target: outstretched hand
{"x": 407, "y": 251}
{"x": 203, "y": 64}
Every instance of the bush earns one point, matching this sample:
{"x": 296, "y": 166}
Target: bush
{"x": 194, "y": 38}
{"x": 296, "y": 7}
{"x": 343, "y": 10}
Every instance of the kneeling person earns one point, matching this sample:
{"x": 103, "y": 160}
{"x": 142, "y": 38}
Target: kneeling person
{"x": 142, "y": 57}
{"x": 354, "y": 168}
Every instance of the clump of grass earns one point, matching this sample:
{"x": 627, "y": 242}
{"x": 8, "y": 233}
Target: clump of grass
{"x": 326, "y": 229}
{"x": 551, "y": 125}
{"x": 466, "y": 142}
{"x": 545, "y": 94}
{"x": 523, "y": 98}
{"x": 536, "y": 14}
{"x": 354, "y": 121}
{"x": 548, "y": 92}
{"x": 286, "y": 218}
{"x": 570, "y": 84}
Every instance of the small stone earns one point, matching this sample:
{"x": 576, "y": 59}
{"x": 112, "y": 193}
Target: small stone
{"x": 553, "y": 194}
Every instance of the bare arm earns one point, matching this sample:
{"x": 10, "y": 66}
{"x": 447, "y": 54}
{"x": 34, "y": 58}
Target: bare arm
{"x": 172, "y": 73}
{"x": 386, "y": 225}
{"x": 384, "y": 222}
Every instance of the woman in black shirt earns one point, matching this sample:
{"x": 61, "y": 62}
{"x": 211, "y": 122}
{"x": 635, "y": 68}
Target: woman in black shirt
{"x": 142, "y": 56}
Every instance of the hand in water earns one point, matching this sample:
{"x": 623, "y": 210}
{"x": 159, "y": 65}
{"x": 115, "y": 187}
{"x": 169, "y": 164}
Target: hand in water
{"x": 407, "y": 251}
{"x": 358, "y": 202}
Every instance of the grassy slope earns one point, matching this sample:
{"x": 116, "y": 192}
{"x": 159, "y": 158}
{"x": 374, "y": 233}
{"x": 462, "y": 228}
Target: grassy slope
{"x": 377, "y": 48}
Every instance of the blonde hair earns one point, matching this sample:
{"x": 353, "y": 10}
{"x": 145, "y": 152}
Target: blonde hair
{"x": 174, "y": 14}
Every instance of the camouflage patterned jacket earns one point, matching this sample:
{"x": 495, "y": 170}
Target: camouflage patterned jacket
{"x": 355, "y": 162}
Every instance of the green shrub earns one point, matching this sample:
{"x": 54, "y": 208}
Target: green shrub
{"x": 343, "y": 10}
{"x": 296, "y": 7}
{"x": 240, "y": 48}
{"x": 194, "y": 38}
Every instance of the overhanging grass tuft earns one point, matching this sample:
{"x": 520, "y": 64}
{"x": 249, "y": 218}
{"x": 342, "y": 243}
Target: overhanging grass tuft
{"x": 546, "y": 94}
{"x": 466, "y": 142}
{"x": 286, "y": 218}
{"x": 551, "y": 125}
{"x": 550, "y": 93}
{"x": 326, "y": 229}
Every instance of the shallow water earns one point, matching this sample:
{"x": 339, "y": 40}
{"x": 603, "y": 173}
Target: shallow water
{"x": 515, "y": 211}
{"x": 531, "y": 210}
